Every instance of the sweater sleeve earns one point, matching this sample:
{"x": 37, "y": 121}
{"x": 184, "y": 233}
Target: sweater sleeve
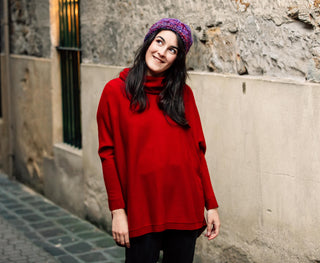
{"x": 210, "y": 199}
{"x": 106, "y": 153}
{"x": 195, "y": 124}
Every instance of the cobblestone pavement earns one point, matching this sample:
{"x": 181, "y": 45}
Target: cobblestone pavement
{"x": 33, "y": 229}
{"x": 15, "y": 247}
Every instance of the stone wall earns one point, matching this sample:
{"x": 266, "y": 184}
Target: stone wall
{"x": 30, "y": 27}
{"x": 255, "y": 37}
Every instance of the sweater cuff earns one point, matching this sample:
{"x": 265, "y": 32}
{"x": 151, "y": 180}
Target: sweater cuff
{"x": 116, "y": 204}
{"x": 211, "y": 203}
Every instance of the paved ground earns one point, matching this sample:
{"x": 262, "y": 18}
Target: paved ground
{"x": 33, "y": 229}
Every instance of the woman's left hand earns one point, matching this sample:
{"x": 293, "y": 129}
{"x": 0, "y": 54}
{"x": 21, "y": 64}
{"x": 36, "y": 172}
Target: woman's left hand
{"x": 213, "y": 224}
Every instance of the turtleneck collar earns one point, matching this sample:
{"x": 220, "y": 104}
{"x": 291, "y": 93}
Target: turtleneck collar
{"x": 152, "y": 85}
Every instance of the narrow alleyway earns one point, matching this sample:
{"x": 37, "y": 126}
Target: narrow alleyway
{"x": 33, "y": 229}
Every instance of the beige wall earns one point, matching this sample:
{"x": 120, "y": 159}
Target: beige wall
{"x": 63, "y": 178}
{"x": 31, "y": 116}
{"x": 40, "y": 158}
{"x": 263, "y": 155}
{"x": 93, "y": 79}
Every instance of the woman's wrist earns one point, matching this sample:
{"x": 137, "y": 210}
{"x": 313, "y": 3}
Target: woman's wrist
{"x": 119, "y": 211}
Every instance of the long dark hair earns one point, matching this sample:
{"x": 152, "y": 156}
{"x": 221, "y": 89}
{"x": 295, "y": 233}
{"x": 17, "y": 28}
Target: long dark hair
{"x": 171, "y": 97}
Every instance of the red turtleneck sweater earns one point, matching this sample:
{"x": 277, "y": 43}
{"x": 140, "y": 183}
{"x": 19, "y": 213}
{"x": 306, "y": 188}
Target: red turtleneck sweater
{"x": 152, "y": 167}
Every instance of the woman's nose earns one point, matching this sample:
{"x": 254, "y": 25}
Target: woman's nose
{"x": 161, "y": 51}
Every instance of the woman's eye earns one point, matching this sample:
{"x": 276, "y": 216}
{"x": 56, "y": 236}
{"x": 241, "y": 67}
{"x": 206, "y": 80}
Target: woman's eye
{"x": 173, "y": 51}
{"x": 159, "y": 41}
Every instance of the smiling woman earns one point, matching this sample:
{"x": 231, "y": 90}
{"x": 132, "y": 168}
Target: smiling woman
{"x": 152, "y": 148}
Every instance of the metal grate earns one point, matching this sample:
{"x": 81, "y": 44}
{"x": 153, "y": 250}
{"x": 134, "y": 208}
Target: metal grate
{"x": 69, "y": 49}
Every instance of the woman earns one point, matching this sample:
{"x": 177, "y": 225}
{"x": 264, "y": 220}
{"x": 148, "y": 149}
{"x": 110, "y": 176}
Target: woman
{"x": 152, "y": 149}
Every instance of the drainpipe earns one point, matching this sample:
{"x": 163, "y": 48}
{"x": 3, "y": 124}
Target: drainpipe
{"x": 8, "y": 86}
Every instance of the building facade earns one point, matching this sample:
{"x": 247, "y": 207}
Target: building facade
{"x": 255, "y": 71}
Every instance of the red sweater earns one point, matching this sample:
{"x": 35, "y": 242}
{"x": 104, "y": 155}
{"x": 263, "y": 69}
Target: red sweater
{"x": 152, "y": 167}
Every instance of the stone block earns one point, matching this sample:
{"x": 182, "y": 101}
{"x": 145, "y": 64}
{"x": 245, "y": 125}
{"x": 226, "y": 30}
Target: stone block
{"x": 81, "y": 247}
{"x": 93, "y": 257}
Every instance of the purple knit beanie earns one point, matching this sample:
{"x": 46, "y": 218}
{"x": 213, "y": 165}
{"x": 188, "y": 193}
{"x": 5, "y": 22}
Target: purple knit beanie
{"x": 174, "y": 25}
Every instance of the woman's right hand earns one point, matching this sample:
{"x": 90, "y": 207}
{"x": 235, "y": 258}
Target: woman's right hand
{"x": 120, "y": 229}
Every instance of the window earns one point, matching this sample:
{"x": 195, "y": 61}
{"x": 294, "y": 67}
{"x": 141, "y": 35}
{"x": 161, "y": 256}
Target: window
{"x": 69, "y": 49}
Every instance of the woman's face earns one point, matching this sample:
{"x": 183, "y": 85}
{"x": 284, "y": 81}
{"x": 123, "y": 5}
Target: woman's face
{"x": 161, "y": 53}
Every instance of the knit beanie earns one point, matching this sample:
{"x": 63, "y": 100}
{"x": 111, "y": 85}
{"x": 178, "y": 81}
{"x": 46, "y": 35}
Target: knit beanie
{"x": 176, "y": 26}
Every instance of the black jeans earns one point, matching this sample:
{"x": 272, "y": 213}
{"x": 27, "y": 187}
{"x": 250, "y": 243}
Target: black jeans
{"x": 177, "y": 245}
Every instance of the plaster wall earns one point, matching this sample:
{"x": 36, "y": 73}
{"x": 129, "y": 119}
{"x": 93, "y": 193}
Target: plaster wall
{"x": 63, "y": 178}
{"x": 32, "y": 117}
{"x": 263, "y": 155}
{"x": 255, "y": 37}
{"x": 52, "y": 168}
{"x": 93, "y": 79}
{"x": 264, "y": 158}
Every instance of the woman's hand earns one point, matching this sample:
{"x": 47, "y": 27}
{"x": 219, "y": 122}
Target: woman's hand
{"x": 120, "y": 230}
{"x": 213, "y": 223}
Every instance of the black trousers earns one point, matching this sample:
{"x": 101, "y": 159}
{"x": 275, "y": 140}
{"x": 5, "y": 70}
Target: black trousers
{"x": 177, "y": 245}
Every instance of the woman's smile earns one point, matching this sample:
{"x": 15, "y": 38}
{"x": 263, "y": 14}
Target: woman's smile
{"x": 158, "y": 59}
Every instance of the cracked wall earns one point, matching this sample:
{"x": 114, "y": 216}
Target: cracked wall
{"x": 261, "y": 38}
